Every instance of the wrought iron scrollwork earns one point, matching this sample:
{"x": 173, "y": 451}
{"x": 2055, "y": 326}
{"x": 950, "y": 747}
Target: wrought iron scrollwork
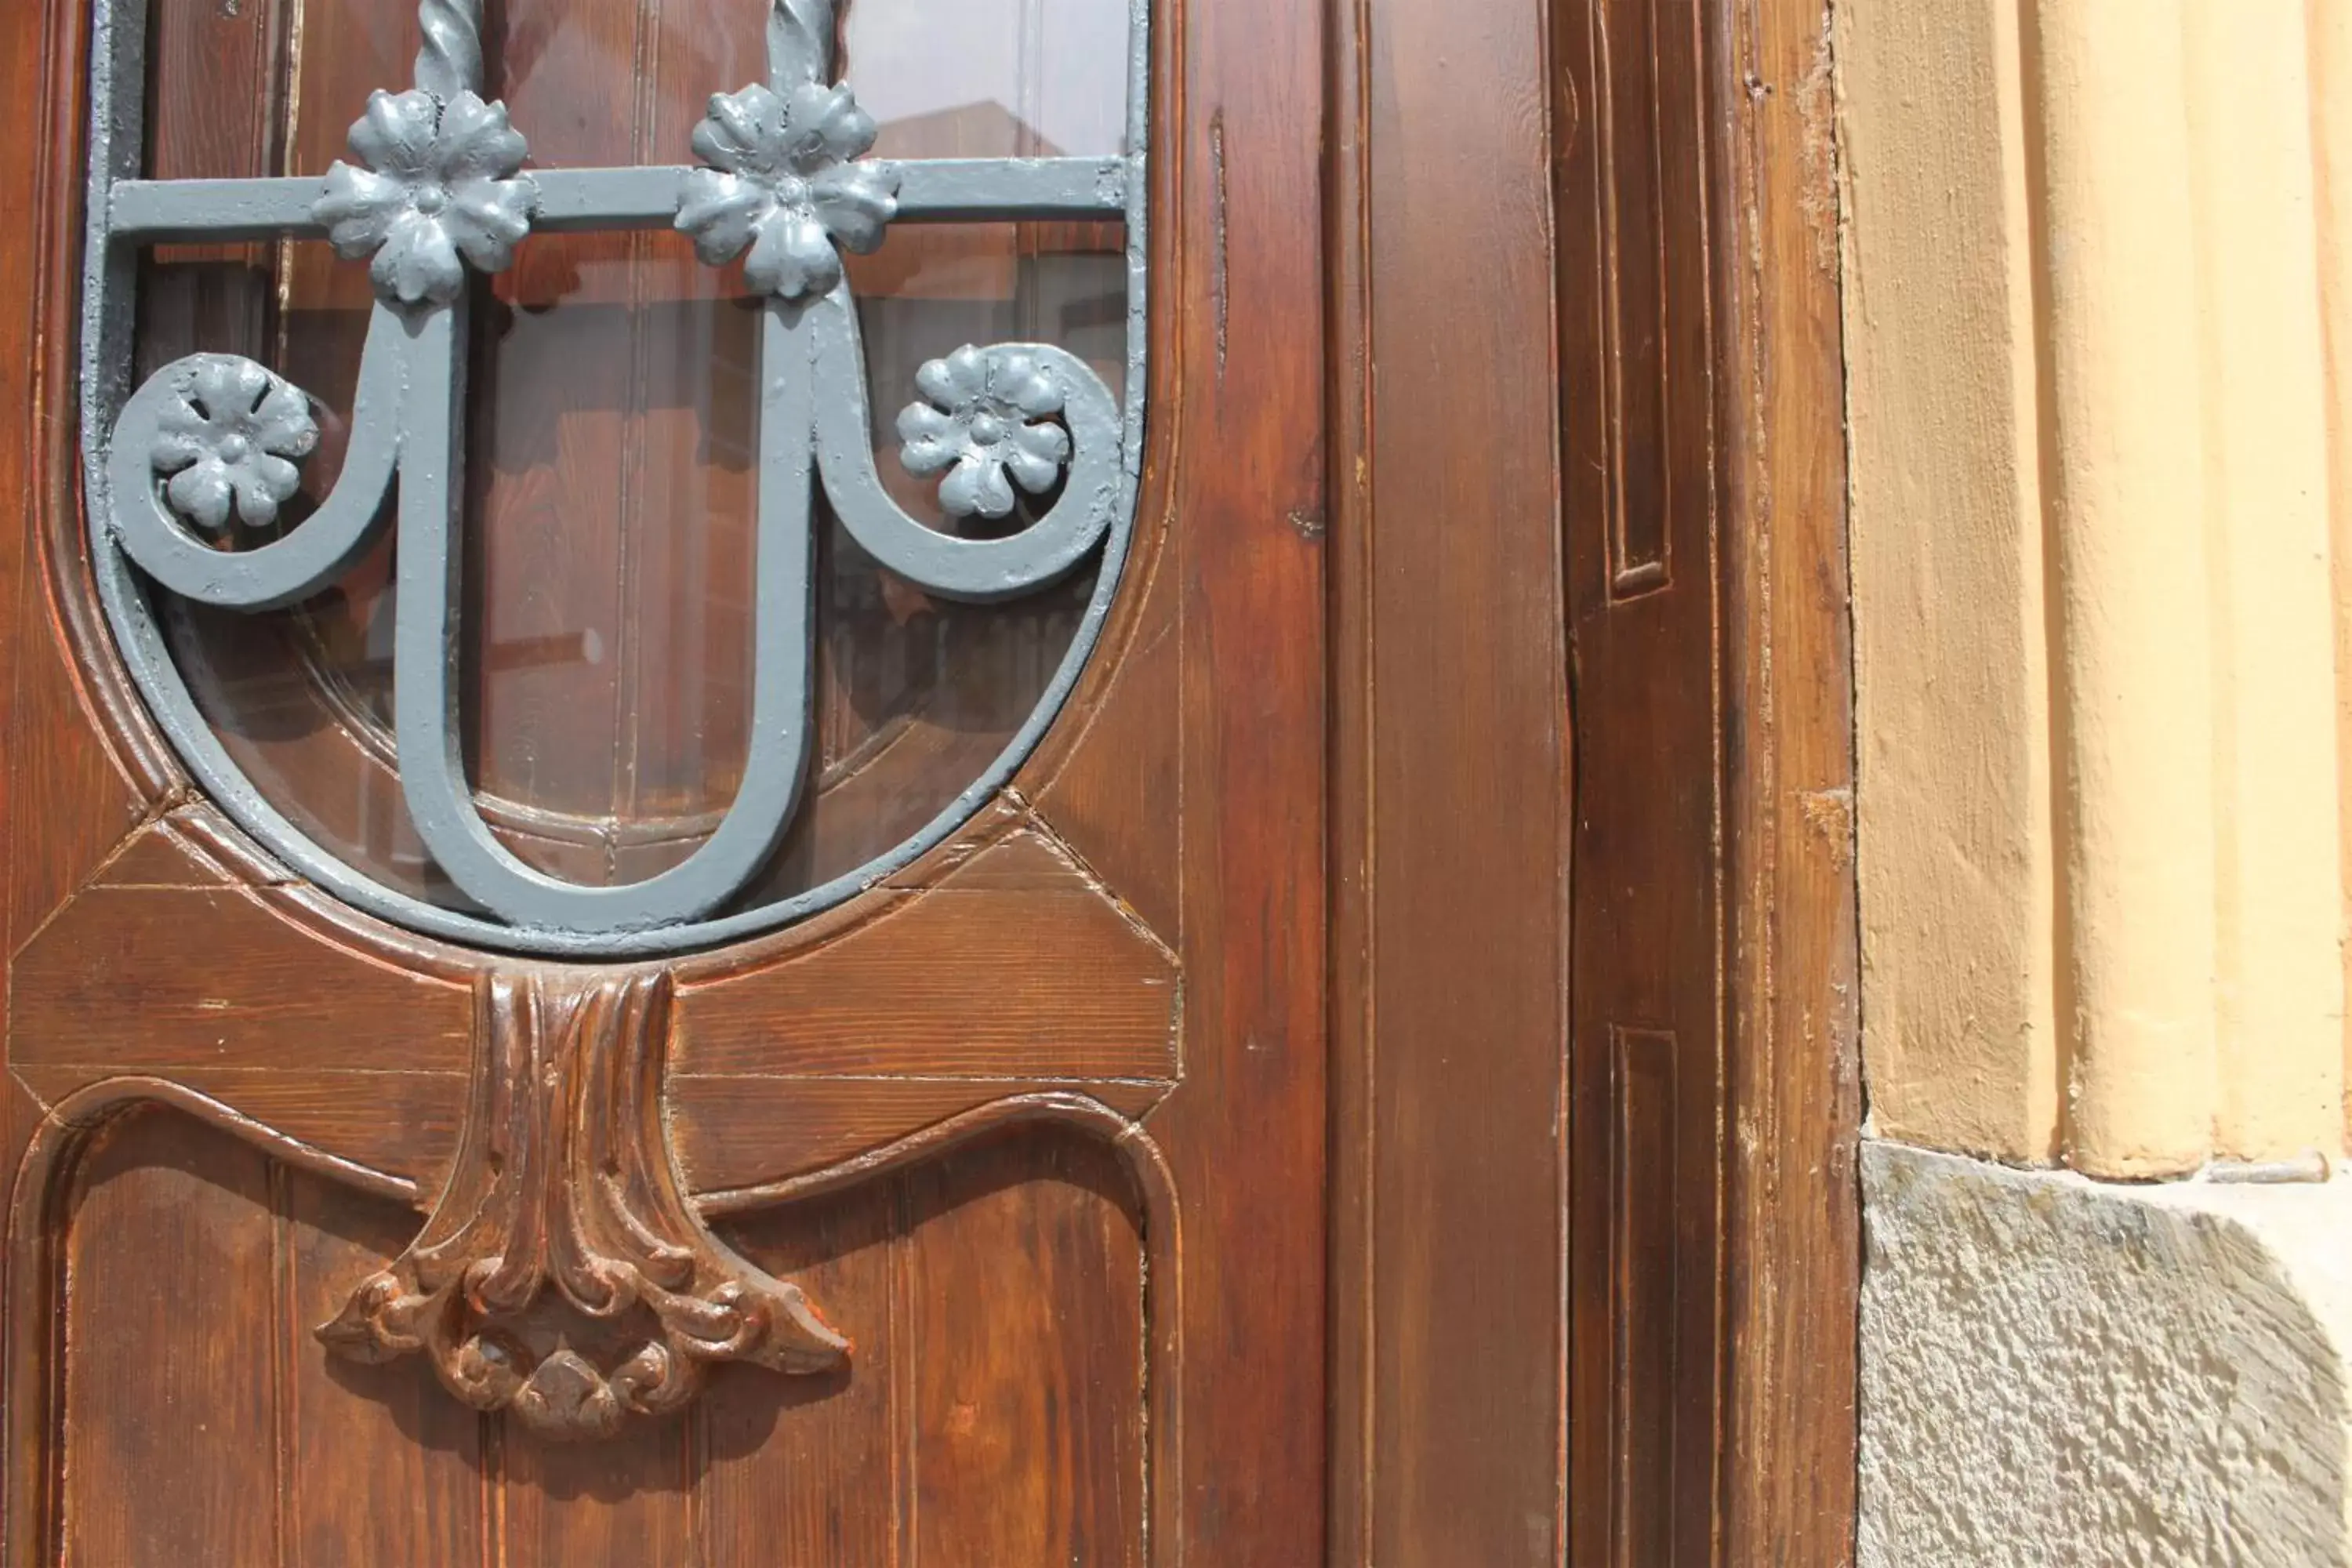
{"x": 438, "y": 189}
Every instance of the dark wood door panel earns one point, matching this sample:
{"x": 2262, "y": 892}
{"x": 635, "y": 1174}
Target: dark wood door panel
{"x": 1026, "y": 1118}
{"x": 994, "y": 1414}
{"x": 865, "y": 1035}
{"x": 1452, "y": 745}
{"x": 1641, "y": 513}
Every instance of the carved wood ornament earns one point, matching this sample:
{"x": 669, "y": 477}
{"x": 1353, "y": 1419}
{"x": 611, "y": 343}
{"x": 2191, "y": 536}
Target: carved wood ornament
{"x": 564, "y": 1276}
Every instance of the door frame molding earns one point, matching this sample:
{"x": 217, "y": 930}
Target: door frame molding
{"x": 1794, "y": 1048}
{"x": 1769, "y": 858}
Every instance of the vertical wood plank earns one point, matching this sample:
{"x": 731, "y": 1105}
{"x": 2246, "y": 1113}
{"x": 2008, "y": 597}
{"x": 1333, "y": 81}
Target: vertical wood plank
{"x": 21, "y": 64}
{"x": 214, "y": 113}
{"x": 687, "y": 560}
{"x": 1352, "y": 1478}
{"x": 384, "y": 1465}
{"x": 65, "y": 800}
{"x": 1024, "y": 1339}
{"x": 1648, "y": 1302}
{"x": 172, "y": 1445}
{"x": 804, "y": 1470}
{"x": 1245, "y": 1133}
{"x": 1639, "y": 519}
{"x": 556, "y": 437}
{"x": 346, "y": 52}
{"x": 1795, "y": 1080}
{"x": 1459, "y": 739}
{"x": 628, "y": 1500}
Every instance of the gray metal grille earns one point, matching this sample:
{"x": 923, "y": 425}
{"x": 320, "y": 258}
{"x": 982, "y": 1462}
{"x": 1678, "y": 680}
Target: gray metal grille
{"x": 438, "y": 191}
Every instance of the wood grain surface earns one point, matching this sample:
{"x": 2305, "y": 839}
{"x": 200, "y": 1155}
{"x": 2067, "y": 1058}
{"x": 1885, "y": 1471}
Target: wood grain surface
{"x": 1702, "y": 1253}
{"x": 1794, "y": 1047}
{"x": 1451, "y": 794}
{"x": 1067, "y": 1345}
{"x": 1380, "y": 1088}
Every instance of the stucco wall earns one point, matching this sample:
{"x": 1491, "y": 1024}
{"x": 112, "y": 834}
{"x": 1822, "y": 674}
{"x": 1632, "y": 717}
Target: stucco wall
{"x": 2098, "y": 308}
{"x": 2099, "y": 317}
{"x": 1956, "y": 849}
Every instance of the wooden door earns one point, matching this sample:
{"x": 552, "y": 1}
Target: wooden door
{"x": 967, "y": 1211}
{"x": 632, "y": 938}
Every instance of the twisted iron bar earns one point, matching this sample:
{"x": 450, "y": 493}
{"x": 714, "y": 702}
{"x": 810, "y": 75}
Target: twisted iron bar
{"x": 800, "y": 42}
{"x": 450, "y": 60}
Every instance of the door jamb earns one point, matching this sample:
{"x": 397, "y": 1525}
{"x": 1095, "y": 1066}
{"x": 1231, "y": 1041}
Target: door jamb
{"x": 1789, "y": 1099}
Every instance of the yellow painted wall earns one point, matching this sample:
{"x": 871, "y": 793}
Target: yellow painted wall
{"x": 2098, "y": 268}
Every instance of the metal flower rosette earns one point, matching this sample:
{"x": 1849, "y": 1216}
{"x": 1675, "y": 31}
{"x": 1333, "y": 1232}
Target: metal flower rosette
{"x": 439, "y": 188}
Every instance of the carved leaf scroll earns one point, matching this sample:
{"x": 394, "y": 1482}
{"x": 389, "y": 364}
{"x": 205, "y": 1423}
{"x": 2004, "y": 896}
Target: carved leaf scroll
{"x": 564, "y": 1276}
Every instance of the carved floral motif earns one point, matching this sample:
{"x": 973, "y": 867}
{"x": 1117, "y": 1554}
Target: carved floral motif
{"x": 565, "y": 1277}
{"x": 783, "y": 185}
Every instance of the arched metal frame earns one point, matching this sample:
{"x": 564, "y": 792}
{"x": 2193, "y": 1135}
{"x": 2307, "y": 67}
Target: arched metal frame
{"x": 809, "y": 194}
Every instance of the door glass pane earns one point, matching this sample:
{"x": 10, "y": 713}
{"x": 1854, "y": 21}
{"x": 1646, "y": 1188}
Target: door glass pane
{"x": 993, "y": 79}
{"x": 611, "y": 431}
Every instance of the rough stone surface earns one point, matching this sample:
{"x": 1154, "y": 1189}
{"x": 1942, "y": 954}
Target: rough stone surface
{"x": 2061, "y": 1375}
